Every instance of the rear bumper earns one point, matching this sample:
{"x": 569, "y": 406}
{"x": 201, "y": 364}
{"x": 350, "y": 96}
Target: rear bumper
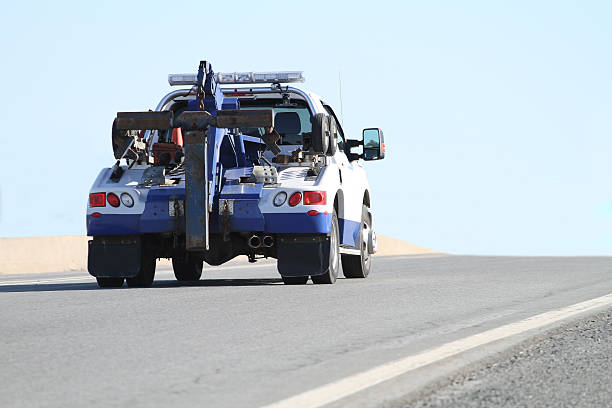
{"x": 275, "y": 223}
{"x": 296, "y": 223}
{"x": 113, "y": 224}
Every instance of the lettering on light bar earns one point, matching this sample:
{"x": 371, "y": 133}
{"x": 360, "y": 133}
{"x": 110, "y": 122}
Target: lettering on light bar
{"x": 281, "y": 77}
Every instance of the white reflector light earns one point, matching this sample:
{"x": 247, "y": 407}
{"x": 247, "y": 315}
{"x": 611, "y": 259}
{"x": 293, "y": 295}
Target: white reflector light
{"x": 127, "y": 200}
{"x": 281, "y": 77}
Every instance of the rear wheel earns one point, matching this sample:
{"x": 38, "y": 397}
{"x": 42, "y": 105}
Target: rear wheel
{"x": 330, "y": 276}
{"x": 295, "y": 280}
{"x": 187, "y": 267}
{"x": 147, "y": 268}
{"x": 110, "y": 282}
{"x": 358, "y": 266}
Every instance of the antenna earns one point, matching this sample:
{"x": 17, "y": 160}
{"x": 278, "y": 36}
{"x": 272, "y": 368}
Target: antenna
{"x": 341, "y": 108}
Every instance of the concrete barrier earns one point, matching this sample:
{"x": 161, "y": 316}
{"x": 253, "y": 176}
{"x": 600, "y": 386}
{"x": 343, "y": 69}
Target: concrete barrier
{"x": 43, "y": 254}
{"x": 69, "y": 253}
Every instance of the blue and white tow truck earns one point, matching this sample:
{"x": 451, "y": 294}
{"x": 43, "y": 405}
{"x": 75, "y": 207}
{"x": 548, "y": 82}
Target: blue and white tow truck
{"x": 233, "y": 164}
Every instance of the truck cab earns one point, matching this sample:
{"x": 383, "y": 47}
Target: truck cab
{"x": 292, "y": 188}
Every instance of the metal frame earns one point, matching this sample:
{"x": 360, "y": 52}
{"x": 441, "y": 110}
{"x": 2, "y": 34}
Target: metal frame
{"x": 273, "y": 90}
{"x": 255, "y": 91}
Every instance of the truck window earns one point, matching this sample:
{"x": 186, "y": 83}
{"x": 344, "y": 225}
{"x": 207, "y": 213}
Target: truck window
{"x": 291, "y": 123}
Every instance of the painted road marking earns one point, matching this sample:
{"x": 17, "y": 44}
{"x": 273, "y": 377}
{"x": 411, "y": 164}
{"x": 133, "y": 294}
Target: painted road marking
{"x": 90, "y": 279}
{"x": 74, "y": 280}
{"x": 350, "y": 385}
{"x": 46, "y": 281}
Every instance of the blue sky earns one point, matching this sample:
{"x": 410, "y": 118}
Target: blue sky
{"x": 497, "y": 115}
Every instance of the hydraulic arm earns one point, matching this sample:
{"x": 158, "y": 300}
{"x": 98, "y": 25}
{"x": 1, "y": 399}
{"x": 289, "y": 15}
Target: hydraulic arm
{"x": 204, "y": 131}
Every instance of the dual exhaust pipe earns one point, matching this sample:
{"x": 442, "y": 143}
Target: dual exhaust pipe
{"x": 255, "y": 241}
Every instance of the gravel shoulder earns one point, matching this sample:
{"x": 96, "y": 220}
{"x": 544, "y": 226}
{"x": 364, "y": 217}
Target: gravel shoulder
{"x": 568, "y": 367}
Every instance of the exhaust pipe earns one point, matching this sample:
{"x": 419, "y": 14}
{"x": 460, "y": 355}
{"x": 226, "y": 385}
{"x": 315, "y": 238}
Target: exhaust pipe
{"x": 254, "y": 241}
{"x": 268, "y": 241}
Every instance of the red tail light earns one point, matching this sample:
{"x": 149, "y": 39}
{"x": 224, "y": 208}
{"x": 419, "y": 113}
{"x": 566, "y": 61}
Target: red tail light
{"x": 313, "y": 212}
{"x": 295, "y": 199}
{"x": 113, "y": 199}
{"x": 314, "y": 198}
{"x": 97, "y": 200}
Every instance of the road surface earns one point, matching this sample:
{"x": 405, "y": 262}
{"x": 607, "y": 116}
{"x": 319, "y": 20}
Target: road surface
{"x": 241, "y": 338}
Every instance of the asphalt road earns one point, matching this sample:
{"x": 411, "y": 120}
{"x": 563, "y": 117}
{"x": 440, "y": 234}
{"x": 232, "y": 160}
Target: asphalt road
{"x": 241, "y": 338}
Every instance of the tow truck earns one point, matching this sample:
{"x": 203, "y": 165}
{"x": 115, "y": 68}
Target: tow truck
{"x": 233, "y": 164}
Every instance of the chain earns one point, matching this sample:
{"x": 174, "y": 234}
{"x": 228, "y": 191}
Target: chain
{"x": 200, "y": 91}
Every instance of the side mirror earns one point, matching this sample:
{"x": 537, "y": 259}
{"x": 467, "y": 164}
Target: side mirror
{"x": 373, "y": 144}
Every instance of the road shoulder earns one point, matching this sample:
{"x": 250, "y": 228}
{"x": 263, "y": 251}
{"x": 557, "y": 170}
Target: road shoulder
{"x": 436, "y": 385}
{"x": 569, "y": 365}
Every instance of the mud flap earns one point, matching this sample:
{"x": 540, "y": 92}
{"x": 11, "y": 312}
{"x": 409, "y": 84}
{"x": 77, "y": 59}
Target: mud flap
{"x": 303, "y": 255}
{"x": 114, "y": 256}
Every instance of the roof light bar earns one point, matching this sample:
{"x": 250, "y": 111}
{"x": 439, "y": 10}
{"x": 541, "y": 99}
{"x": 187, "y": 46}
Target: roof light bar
{"x": 281, "y": 77}
{"x": 260, "y": 77}
{"x": 182, "y": 79}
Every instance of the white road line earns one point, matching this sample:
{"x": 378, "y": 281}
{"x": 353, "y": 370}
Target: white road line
{"x": 78, "y": 279}
{"x": 89, "y": 279}
{"x": 350, "y": 385}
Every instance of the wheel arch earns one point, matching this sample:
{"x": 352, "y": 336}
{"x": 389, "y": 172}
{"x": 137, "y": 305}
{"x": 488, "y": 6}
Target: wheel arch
{"x": 339, "y": 203}
{"x": 366, "y": 199}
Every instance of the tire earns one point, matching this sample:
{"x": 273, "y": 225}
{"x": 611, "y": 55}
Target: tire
{"x": 187, "y": 267}
{"x": 320, "y": 133}
{"x": 147, "y": 268}
{"x": 333, "y": 137}
{"x": 295, "y": 280}
{"x": 358, "y": 266}
{"x": 110, "y": 282}
{"x": 330, "y": 276}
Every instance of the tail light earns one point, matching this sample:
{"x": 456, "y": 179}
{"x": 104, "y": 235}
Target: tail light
{"x": 97, "y": 200}
{"x": 295, "y": 199}
{"x": 314, "y": 198}
{"x": 113, "y": 200}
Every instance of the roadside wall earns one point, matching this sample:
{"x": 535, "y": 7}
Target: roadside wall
{"x": 43, "y": 254}
{"x": 68, "y": 253}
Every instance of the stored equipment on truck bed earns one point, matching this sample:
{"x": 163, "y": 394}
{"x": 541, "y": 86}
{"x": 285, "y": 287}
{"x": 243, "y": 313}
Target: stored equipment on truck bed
{"x": 213, "y": 173}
